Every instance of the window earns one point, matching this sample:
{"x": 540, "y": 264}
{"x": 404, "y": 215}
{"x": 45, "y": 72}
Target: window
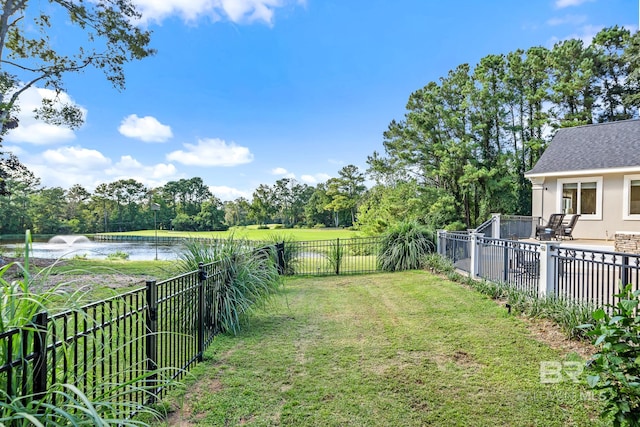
{"x": 631, "y": 197}
{"x": 582, "y": 196}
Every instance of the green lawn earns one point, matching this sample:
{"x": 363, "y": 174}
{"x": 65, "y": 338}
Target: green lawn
{"x": 252, "y": 233}
{"x": 402, "y": 349}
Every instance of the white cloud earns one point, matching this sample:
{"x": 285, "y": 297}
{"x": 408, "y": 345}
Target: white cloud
{"x": 75, "y": 159}
{"x": 33, "y": 131}
{"x": 315, "y": 179}
{"x": 568, "y": 19}
{"x": 560, "y": 4}
{"x": 225, "y": 193}
{"x": 147, "y": 129}
{"x": 150, "y": 175}
{"x": 190, "y": 10}
{"x": 212, "y": 152}
{"x": 66, "y": 166}
{"x": 283, "y": 172}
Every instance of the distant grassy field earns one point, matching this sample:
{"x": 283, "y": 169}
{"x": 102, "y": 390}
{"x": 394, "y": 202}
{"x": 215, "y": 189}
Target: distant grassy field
{"x": 252, "y": 233}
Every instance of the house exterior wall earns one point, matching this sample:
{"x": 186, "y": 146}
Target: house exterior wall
{"x": 547, "y": 200}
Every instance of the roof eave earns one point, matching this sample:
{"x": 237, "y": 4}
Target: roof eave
{"x": 627, "y": 169}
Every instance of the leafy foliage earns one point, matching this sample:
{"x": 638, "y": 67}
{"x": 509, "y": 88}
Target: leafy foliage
{"x": 405, "y": 246}
{"x": 615, "y": 370}
{"x": 73, "y": 407}
{"x": 118, "y": 255}
{"x": 28, "y": 49}
{"x": 245, "y": 278}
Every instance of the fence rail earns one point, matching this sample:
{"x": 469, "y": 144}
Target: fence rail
{"x": 339, "y": 256}
{"x": 163, "y": 327}
{"x": 544, "y": 268}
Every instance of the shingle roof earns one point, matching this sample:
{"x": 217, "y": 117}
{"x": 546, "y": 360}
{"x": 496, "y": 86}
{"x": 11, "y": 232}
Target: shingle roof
{"x": 599, "y": 146}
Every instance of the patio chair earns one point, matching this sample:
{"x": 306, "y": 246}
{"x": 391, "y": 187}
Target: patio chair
{"x": 551, "y": 229}
{"x": 527, "y": 264}
{"x": 567, "y": 229}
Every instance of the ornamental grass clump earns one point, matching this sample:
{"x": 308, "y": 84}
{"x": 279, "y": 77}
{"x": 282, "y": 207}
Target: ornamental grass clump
{"x": 405, "y": 246}
{"x": 244, "y": 279}
{"x": 62, "y": 403}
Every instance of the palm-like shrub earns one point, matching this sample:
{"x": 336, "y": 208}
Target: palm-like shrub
{"x": 404, "y": 246}
{"x": 243, "y": 279}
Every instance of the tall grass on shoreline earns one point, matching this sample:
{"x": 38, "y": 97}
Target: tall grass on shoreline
{"x": 62, "y": 403}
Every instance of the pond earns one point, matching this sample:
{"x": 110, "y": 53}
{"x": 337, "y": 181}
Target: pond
{"x": 71, "y": 246}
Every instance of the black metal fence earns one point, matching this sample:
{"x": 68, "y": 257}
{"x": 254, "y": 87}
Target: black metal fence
{"x": 568, "y": 272}
{"x": 510, "y": 262}
{"x": 515, "y": 227}
{"x": 327, "y": 257}
{"x": 456, "y": 246}
{"x": 128, "y": 347}
{"x": 592, "y": 276}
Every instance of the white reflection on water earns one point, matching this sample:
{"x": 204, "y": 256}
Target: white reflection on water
{"x": 138, "y": 251}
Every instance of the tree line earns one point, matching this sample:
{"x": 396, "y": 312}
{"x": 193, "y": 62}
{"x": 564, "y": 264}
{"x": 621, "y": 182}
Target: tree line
{"x": 183, "y": 205}
{"x": 466, "y": 140}
{"x": 459, "y": 153}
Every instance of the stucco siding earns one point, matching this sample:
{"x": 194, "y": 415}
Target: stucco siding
{"x": 547, "y": 200}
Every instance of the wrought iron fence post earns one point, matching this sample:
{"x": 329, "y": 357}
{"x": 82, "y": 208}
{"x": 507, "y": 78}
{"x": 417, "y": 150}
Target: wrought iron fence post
{"x": 624, "y": 272}
{"x": 152, "y": 336}
{"x": 280, "y": 257}
{"x": 202, "y": 279}
{"x": 506, "y": 263}
{"x": 40, "y": 356}
{"x": 338, "y": 258}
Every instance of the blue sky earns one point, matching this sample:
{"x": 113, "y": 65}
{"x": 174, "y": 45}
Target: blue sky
{"x": 245, "y": 92}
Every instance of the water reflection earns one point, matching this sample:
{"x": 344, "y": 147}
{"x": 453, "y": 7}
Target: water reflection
{"x": 55, "y": 249}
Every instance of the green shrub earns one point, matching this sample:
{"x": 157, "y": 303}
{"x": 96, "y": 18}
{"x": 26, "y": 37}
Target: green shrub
{"x": 118, "y": 255}
{"x": 436, "y": 262}
{"x": 405, "y": 246}
{"x": 615, "y": 370}
{"x": 335, "y": 255}
{"x": 317, "y": 226}
{"x": 247, "y": 278}
{"x": 277, "y": 227}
